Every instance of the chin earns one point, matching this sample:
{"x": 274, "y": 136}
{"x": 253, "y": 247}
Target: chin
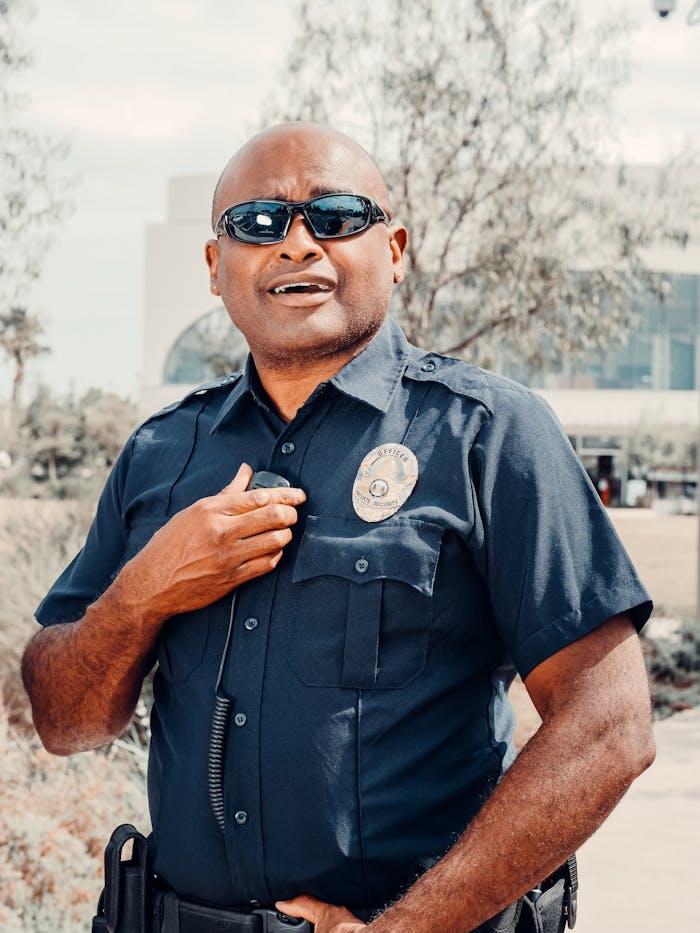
{"x": 320, "y": 345}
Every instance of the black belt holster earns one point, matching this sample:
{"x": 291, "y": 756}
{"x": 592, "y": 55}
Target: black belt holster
{"x": 548, "y": 908}
{"x": 551, "y": 907}
{"x": 124, "y": 904}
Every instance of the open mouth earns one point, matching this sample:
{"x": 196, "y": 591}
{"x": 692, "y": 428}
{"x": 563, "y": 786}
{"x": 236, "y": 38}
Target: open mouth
{"x": 300, "y": 288}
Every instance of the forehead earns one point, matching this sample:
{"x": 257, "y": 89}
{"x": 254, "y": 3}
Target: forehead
{"x": 300, "y": 165}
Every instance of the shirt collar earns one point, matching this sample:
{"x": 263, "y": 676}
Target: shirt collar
{"x": 371, "y": 377}
{"x": 246, "y": 385}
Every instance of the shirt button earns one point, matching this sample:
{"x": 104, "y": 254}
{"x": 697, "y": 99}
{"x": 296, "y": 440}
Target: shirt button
{"x": 253, "y": 903}
{"x": 240, "y": 719}
{"x": 288, "y": 448}
{"x": 362, "y": 565}
{"x": 428, "y": 367}
{"x": 250, "y": 624}
{"x": 241, "y": 817}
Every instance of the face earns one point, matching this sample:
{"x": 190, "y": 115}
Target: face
{"x": 349, "y": 280}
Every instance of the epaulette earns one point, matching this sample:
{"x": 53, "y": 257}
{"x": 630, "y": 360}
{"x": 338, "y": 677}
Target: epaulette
{"x": 222, "y": 382}
{"x": 465, "y": 378}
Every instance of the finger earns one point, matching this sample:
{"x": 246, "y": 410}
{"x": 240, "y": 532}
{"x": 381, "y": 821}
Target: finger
{"x": 269, "y": 542}
{"x": 234, "y": 502}
{"x": 256, "y": 567}
{"x": 304, "y": 905}
{"x": 232, "y": 528}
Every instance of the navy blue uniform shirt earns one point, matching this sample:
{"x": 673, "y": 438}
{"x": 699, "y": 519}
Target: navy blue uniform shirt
{"x": 369, "y": 670}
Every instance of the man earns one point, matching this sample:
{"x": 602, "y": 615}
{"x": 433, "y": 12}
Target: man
{"x": 363, "y": 624}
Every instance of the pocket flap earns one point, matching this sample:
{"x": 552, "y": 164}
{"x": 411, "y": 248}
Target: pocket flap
{"x": 399, "y": 548}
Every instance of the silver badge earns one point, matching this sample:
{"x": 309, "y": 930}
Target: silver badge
{"x": 384, "y": 481}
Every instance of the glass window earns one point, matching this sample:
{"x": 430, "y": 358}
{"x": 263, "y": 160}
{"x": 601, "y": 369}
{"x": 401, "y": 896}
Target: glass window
{"x": 672, "y": 327}
{"x": 682, "y": 364}
{"x": 210, "y": 347}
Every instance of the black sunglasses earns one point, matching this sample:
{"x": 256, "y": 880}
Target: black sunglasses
{"x": 329, "y": 217}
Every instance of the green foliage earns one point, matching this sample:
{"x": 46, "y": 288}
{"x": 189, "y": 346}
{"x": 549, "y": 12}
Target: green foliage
{"x": 492, "y": 121}
{"x": 673, "y": 665}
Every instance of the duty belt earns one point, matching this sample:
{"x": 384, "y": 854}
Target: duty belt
{"x": 174, "y": 914}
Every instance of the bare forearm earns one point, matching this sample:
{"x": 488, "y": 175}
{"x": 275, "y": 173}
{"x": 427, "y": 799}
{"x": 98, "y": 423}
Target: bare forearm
{"x": 553, "y": 798}
{"x": 595, "y": 739}
{"x": 84, "y": 678}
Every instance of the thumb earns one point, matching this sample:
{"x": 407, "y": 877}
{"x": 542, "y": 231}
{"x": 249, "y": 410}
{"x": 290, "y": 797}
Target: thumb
{"x": 304, "y": 906}
{"x": 240, "y": 481}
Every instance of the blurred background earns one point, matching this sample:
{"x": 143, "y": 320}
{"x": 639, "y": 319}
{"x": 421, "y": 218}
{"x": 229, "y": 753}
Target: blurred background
{"x": 544, "y": 155}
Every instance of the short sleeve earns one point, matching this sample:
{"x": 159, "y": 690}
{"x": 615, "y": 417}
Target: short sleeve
{"x": 92, "y": 570}
{"x": 553, "y": 563}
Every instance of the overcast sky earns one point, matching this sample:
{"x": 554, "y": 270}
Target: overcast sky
{"x": 147, "y": 90}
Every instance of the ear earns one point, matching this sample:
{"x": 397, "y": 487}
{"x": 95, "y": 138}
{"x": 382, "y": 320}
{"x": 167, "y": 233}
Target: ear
{"x": 211, "y": 254}
{"x": 398, "y": 238}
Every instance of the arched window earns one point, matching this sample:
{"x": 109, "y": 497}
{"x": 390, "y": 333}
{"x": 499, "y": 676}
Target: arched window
{"x": 210, "y": 347}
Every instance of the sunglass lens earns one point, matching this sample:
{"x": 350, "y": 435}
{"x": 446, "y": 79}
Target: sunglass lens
{"x": 257, "y": 222}
{"x": 338, "y": 215}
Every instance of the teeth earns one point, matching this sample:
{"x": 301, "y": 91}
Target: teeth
{"x": 294, "y": 285}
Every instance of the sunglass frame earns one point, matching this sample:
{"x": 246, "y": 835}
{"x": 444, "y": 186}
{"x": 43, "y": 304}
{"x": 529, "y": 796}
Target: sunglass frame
{"x": 224, "y": 226}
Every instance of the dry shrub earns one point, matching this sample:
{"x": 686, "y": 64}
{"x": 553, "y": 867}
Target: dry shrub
{"x": 56, "y": 815}
{"x": 37, "y": 540}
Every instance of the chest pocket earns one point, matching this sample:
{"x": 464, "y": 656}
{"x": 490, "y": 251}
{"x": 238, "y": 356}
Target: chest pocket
{"x": 363, "y": 602}
{"x": 182, "y": 640}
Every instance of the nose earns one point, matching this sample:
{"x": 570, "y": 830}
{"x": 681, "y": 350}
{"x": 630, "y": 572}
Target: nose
{"x": 300, "y": 244}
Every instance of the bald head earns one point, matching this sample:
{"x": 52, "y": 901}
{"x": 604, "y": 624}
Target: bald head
{"x": 280, "y": 152}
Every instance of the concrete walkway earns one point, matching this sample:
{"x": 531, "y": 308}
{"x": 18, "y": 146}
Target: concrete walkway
{"x": 640, "y": 873}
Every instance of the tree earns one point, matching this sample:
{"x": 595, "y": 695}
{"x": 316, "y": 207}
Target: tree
{"x": 105, "y": 421}
{"x": 32, "y": 199}
{"x": 19, "y": 338}
{"x": 50, "y": 428}
{"x": 488, "y": 116}
{"x": 71, "y": 443}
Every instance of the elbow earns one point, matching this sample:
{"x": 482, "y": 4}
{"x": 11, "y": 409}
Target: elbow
{"x": 644, "y": 750}
{"x": 63, "y": 741}
{"x": 634, "y": 746}
{"x": 53, "y": 738}
{"x": 55, "y": 746}
{"x": 63, "y": 733}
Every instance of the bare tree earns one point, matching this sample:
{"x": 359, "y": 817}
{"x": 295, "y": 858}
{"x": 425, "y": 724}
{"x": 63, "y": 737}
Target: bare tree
{"x": 32, "y": 199}
{"x": 488, "y": 117}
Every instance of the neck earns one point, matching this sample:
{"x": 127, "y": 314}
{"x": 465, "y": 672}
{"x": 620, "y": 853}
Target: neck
{"x": 287, "y": 389}
{"x": 289, "y": 386}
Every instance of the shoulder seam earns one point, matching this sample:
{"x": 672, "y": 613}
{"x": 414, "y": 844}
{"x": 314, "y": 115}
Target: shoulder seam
{"x": 223, "y": 382}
